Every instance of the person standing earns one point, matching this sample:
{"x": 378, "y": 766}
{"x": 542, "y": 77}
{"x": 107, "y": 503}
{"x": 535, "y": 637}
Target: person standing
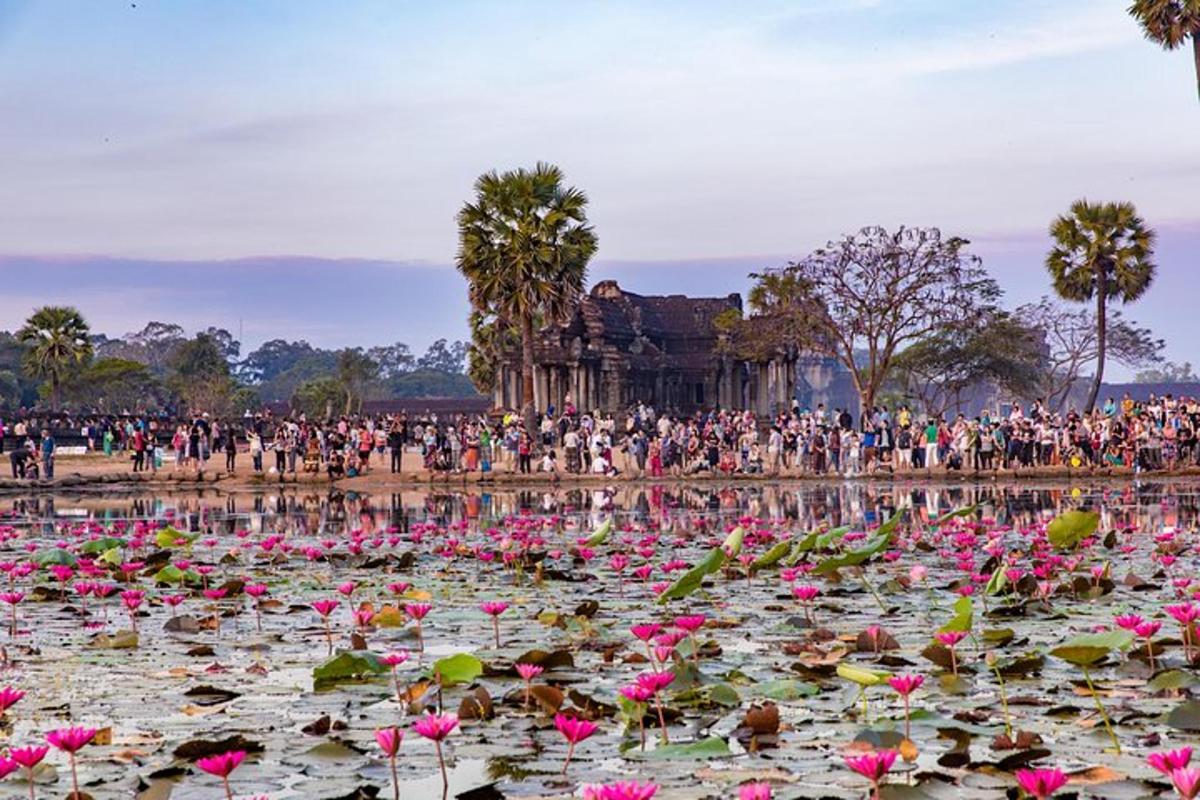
{"x": 48, "y": 448}
{"x": 230, "y": 450}
{"x": 395, "y": 443}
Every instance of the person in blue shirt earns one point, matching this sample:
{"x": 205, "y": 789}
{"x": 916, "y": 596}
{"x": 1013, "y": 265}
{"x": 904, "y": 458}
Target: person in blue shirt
{"x": 48, "y": 446}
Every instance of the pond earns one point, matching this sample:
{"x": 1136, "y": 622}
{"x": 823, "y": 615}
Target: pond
{"x": 779, "y": 654}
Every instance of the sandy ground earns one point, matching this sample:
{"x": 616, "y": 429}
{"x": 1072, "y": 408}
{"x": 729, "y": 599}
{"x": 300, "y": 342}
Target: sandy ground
{"x": 96, "y": 469}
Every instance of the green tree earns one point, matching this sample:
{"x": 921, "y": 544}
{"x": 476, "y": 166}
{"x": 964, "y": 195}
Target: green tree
{"x": 355, "y": 371}
{"x": 115, "y": 384}
{"x": 318, "y": 397}
{"x": 59, "y": 342}
{"x": 1102, "y": 252}
{"x": 1170, "y": 23}
{"x": 1170, "y": 372}
{"x": 1000, "y": 352}
{"x": 1070, "y": 345}
{"x": 199, "y": 375}
{"x": 524, "y": 247}
{"x": 10, "y": 390}
{"x": 864, "y": 298}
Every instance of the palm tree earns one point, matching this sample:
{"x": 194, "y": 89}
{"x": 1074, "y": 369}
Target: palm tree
{"x": 1101, "y": 252}
{"x": 1170, "y": 23}
{"x": 59, "y": 340}
{"x": 524, "y": 246}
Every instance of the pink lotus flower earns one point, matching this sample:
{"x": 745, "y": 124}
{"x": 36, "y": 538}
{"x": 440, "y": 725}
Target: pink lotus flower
{"x": 1128, "y": 622}
{"x": 389, "y": 740}
{"x": 949, "y": 639}
{"x": 655, "y": 682}
{"x": 222, "y": 766}
{"x": 7, "y": 767}
{"x": 394, "y": 659}
{"x": 346, "y": 589}
{"x": 1041, "y": 783}
{"x": 494, "y": 609}
{"x": 28, "y": 757}
{"x": 9, "y": 697}
{"x": 324, "y": 607}
{"x": 873, "y": 766}
{"x": 806, "y": 594}
{"x": 574, "y": 730}
{"x": 1187, "y": 782}
{"x": 755, "y": 791}
{"x": 1168, "y": 762}
{"x": 70, "y": 740}
{"x": 418, "y": 612}
{"x": 437, "y": 727}
{"x": 646, "y": 631}
{"x": 623, "y": 790}
{"x": 528, "y": 672}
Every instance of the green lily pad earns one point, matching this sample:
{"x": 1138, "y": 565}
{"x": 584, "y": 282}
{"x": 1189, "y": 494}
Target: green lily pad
{"x": 712, "y": 747}
{"x": 456, "y": 669}
{"x": 1070, "y": 528}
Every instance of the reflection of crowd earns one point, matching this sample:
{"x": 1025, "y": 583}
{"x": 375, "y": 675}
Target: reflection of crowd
{"x": 685, "y": 509}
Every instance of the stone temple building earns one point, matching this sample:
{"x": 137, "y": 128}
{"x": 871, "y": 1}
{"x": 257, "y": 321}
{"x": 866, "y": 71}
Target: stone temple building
{"x": 619, "y": 348}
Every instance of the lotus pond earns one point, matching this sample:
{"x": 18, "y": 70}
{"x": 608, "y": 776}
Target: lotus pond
{"x": 786, "y": 641}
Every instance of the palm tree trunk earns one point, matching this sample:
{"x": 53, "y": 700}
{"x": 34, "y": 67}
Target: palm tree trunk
{"x": 528, "y": 411}
{"x": 1196, "y": 58}
{"x": 1101, "y": 337}
{"x": 55, "y": 393}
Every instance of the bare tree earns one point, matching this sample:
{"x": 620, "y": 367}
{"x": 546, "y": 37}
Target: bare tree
{"x": 876, "y": 292}
{"x": 1072, "y": 344}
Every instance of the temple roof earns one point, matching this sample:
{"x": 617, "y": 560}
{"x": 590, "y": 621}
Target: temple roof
{"x": 619, "y": 316}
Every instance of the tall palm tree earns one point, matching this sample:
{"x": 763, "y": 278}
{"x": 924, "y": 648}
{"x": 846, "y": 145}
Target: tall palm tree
{"x": 1170, "y": 23}
{"x": 524, "y": 246}
{"x": 1102, "y": 252}
{"x": 59, "y": 340}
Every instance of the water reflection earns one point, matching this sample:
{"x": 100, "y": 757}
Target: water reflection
{"x": 1143, "y": 505}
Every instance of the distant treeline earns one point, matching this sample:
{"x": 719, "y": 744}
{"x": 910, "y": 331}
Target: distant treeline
{"x": 55, "y": 361}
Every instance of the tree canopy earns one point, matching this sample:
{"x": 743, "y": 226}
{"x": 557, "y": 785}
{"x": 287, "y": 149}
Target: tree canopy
{"x": 871, "y": 294}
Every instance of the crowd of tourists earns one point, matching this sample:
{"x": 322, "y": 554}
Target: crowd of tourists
{"x": 1159, "y": 433}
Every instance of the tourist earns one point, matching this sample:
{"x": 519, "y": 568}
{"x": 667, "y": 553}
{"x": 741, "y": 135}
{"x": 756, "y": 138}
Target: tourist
{"x": 48, "y": 448}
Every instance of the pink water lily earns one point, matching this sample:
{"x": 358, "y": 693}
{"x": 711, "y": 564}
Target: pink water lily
{"x": 389, "y": 741}
{"x": 436, "y": 727}
{"x": 622, "y": 790}
{"x": 70, "y": 741}
{"x": 222, "y": 766}
{"x": 1168, "y": 762}
{"x": 494, "y": 609}
{"x": 905, "y": 685}
{"x": 574, "y": 730}
{"x": 1041, "y": 783}
{"x": 873, "y": 766}
{"x": 1186, "y": 781}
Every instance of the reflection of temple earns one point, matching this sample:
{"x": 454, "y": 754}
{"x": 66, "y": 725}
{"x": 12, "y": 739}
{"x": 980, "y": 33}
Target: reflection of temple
{"x": 619, "y": 348}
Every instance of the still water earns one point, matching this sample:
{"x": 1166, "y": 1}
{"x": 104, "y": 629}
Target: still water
{"x": 1145, "y": 505}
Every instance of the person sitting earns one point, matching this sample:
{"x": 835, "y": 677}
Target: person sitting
{"x": 337, "y": 466}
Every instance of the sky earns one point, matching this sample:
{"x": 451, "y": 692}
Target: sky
{"x": 292, "y": 168}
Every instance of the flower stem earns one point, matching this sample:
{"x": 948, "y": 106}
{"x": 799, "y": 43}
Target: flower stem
{"x": 442, "y": 764}
{"x": 1100, "y": 708}
{"x": 1004, "y": 701}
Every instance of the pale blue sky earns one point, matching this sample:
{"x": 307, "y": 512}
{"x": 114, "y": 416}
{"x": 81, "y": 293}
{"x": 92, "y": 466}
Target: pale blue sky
{"x": 716, "y": 135}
